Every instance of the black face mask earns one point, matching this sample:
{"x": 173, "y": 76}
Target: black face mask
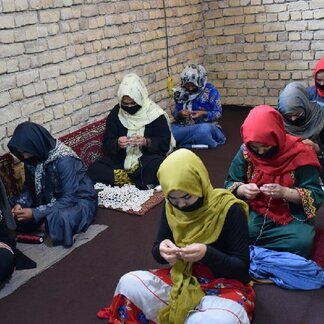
{"x": 297, "y": 122}
{"x": 131, "y": 110}
{"x": 192, "y": 207}
{"x": 31, "y": 161}
{"x": 319, "y": 86}
{"x": 266, "y": 155}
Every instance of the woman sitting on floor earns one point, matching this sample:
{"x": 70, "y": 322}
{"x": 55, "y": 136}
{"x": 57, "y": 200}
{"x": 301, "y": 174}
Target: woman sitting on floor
{"x": 57, "y": 191}
{"x": 197, "y": 110}
{"x": 302, "y": 117}
{"x": 136, "y": 141}
{"x": 278, "y": 175}
{"x": 7, "y": 242}
{"x": 203, "y": 238}
{"x": 316, "y": 92}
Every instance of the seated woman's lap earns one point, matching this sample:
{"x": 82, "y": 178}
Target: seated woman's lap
{"x": 146, "y": 174}
{"x": 100, "y": 171}
{"x": 204, "y": 133}
{"x": 149, "y": 293}
{"x": 214, "y": 309}
{"x": 296, "y": 237}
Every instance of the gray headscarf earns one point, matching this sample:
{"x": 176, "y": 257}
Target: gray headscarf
{"x": 294, "y": 99}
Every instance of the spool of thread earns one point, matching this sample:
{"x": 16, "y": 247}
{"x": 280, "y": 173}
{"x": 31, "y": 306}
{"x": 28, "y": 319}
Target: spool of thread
{"x": 31, "y": 239}
{"x": 199, "y": 146}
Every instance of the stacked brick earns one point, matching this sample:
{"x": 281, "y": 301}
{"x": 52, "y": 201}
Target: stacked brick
{"x": 61, "y": 61}
{"x": 255, "y": 47}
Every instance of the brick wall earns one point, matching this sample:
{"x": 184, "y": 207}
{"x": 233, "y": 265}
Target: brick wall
{"x": 61, "y": 61}
{"x": 254, "y": 47}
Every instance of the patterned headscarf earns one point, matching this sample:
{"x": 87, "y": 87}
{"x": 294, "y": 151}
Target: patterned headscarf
{"x": 294, "y": 99}
{"x": 133, "y": 86}
{"x": 195, "y": 74}
{"x": 183, "y": 170}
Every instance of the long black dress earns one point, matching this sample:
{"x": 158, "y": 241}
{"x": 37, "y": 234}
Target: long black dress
{"x": 158, "y": 132}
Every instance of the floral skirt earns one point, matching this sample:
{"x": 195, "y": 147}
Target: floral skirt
{"x": 141, "y": 294}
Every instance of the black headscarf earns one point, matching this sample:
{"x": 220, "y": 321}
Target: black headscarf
{"x": 32, "y": 138}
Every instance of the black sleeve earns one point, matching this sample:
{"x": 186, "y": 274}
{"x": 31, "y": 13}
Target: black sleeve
{"x": 114, "y": 129}
{"x": 229, "y": 256}
{"x": 164, "y": 232}
{"x": 6, "y": 236}
{"x": 158, "y": 133}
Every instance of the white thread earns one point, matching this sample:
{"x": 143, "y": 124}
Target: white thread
{"x": 264, "y": 220}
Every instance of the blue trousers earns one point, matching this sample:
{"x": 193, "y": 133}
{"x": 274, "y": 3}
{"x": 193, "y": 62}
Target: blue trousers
{"x": 204, "y": 133}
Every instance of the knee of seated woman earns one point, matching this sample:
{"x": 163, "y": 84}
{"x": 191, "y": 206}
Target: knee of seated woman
{"x": 7, "y": 263}
{"x": 130, "y": 284}
{"x": 303, "y": 246}
{"x": 204, "y": 128}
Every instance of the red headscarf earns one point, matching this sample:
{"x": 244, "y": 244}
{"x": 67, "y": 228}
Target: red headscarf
{"x": 319, "y": 67}
{"x": 265, "y": 125}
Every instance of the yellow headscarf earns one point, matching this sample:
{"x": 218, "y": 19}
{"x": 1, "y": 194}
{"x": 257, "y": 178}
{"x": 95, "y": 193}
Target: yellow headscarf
{"x": 183, "y": 170}
{"x": 133, "y": 86}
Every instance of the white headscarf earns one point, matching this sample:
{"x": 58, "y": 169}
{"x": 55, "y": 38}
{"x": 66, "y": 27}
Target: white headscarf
{"x": 133, "y": 86}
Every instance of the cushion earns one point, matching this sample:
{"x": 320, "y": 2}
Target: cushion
{"x": 87, "y": 141}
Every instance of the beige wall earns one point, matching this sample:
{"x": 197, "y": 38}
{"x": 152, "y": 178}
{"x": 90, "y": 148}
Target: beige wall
{"x": 254, "y": 47}
{"x": 61, "y": 61}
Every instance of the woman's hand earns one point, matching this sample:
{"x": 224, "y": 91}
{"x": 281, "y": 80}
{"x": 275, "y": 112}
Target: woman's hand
{"x": 136, "y": 140}
{"x": 313, "y": 145}
{"x": 193, "y": 252}
{"x": 15, "y": 208}
{"x": 169, "y": 251}
{"x": 23, "y": 214}
{"x": 184, "y": 113}
{"x": 123, "y": 142}
{"x": 273, "y": 190}
{"x": 199, "y": 114}
{"x": 248, "y": 190}
{"x": 139, "y": 140}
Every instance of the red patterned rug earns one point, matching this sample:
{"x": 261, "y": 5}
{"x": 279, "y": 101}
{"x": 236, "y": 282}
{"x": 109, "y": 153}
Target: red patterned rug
{"x": 318, "y": 250}
{"x": 87, "y": 141}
